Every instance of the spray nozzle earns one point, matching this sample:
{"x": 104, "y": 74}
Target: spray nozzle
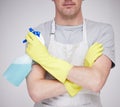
{"x": 36, "y": 33}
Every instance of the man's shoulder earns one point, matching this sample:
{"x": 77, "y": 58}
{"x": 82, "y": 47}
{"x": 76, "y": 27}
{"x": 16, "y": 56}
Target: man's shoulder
{"x": 97, "y": 24}
{"x": 44, "y": 28}
{"x": 44, "y": 25}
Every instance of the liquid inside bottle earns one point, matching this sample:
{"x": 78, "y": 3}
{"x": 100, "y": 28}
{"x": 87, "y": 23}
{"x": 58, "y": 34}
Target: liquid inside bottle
{"x": 18, "y": 70}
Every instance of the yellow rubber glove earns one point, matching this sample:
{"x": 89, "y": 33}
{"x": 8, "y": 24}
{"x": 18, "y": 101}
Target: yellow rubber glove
{"x": 72, "y": 88}
{"x": 39, "y": 53}
{"x": 93, "y": 53}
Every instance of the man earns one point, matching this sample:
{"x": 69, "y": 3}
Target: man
{"x": 72, "y": 38}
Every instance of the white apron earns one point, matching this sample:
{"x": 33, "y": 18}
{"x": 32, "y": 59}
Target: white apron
{"x": 74, "y": 54}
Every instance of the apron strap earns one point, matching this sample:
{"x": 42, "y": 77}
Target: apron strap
{"x": 52, "y": 34}
{"x": 84, "y": 31}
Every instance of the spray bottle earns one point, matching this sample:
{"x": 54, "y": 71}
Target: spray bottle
{"x": 21, "y": 67}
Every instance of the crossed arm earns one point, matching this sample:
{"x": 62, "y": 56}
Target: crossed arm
{"x": 92, "y": 78}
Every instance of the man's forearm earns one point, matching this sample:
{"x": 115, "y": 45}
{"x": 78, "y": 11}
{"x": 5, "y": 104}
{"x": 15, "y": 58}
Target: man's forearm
{"x": 43, "y": 89}
{"x": 83, "y": 76}
{"x": 39, "y": 88}
{"x": 92, "y": 78}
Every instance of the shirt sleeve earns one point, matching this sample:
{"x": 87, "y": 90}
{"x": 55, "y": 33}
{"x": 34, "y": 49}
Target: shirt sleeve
{"x": 107, "y": 39}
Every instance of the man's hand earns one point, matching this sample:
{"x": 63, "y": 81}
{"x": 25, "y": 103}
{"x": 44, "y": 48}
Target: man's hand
{"x": 94, "y": 52}
{"x": 39, "y": 53}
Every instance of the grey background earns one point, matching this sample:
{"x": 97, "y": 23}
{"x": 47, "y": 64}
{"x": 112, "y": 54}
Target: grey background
{"x": 16, "y": 16}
